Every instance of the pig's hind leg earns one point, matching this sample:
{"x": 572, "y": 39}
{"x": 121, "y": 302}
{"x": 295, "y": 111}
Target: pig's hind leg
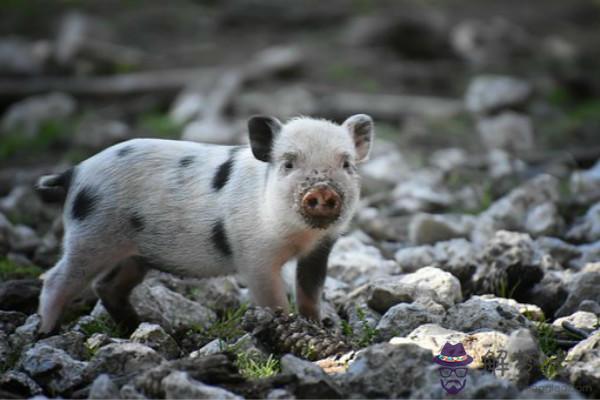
{"x": 83, "y": 260}
{"x": 114, "y": 290}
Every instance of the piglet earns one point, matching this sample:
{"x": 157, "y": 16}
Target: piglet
{"x": 202, "y": 210}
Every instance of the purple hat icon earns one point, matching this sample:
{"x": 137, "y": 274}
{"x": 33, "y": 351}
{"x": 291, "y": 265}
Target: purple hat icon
{"x": 453, "y": 355}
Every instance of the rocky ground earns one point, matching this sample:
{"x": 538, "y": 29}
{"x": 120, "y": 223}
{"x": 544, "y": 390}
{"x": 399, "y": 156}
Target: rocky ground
{"x": 480, "y": 218}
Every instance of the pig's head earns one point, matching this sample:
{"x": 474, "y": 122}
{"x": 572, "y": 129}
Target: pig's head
{"x": 312, "y": 180}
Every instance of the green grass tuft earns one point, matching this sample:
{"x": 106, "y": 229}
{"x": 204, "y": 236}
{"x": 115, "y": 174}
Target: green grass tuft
{"x": 10, "y": 270}
{"x": 554, "y": 355}
{"x": 256, "y": 366}
{"x": 226, "y": 328}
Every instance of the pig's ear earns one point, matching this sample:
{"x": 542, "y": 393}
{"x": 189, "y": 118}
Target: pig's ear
{"x": 262, "y": 131}
{"x": 362, "y": 130}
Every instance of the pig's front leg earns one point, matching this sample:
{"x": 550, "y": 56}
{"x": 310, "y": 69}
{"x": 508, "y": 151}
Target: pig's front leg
{"x": 266, "y": 285}
{"x": 310, "y": 277}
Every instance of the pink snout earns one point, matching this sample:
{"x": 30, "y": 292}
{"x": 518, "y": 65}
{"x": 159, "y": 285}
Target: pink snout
{"x": 321, "y": 201}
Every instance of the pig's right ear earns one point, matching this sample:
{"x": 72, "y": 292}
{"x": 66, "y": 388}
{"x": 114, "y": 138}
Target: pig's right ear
{"x": 262, "y": 131}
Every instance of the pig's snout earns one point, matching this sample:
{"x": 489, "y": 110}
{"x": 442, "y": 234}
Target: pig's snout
{"x": 322, "y": 202}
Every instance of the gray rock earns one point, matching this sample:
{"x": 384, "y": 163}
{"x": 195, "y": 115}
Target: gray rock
{"x": 403, "y": 318}
{"x": 73, "y": 343}
{"x": 582, "y": 366}
{"x": 24, "y": 204}
{"x": 580, "y": 319}
{"x": 122, "y": 359}
{"x": 589, "y": 253}
{"x": 311, "y": 382}
{"x": 20, "y": 57}
{"x": 19, "y": 384}
{"x": 26, "y": 333}
{"x": 361, "y": 319}
{"x": 10, "y": 320}
{"x": 53, "y": 368}
{"x": 523, "y": 358}
{"x": 545, "y": 389}
{"x": 432, "y": 283}
{"x": 512, "y": 211}
{"x": 155, "y": 337}
{"x": 449, "y": 159}
{"x": 561, "y": 251}
{"x": 169, "y": 309}
{"x": 129, "y": 391}
{"x": 5, "y": 350}
{"x": 501, "y": 165}
{"x": 213, "y": 347}
{"x": 488, "y": 93}
{"x": 279, "y": 394}
{"x": 423, "y": 190}
{"x": 29, "y": 114}
{"x": 384, "y": 170}
{"x": 479, "y": 313}
{"x": 104, "y": 388}
{"x": 23, "y": 239}
{"x": 508, "y": 131}
{"x": 588, "y": 228}
{"x": 584, "y": 286}
{"x": 432, "y": 228}
{"x": 585, "y": 185}
{"x": 479, "y": 385}
{"x": 355, "y": 263}
{"x": 20, "y": 295}
{"x": 549, "y": 293}
{"x": 179, "y": 385}
{"x": 376, "y": 371}
{"x": 98, "y": 340}
{"x": 490, "y": 42}
{"x": 218, "y": 294}
{"x": 590, "y": 306}
{"x": 457, "y": 256}
{"x": 530, "y": 311}
{"x": 509, "y": 265}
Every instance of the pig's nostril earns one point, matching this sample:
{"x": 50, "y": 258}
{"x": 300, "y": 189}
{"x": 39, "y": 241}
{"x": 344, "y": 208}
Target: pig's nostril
{"x": 313, "y": 202}
{"x": 331, "y": 203}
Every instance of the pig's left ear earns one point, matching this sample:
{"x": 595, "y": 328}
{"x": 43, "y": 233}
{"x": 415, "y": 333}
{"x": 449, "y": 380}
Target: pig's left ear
{"x": 262, "y": 131}
{"x": 362, "y": 130}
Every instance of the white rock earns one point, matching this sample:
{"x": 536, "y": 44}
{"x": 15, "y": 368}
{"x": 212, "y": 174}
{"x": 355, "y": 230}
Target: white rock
{"x": 579, "y": 319}
{"x": 403, "y": 318}
{"x": 429, "y": 283}
{"x": 511, "y": 211}
{"x": 508, "y": 131}
{"x": 585, "y": 185}
{"x": 355, "y": 263}
{"x": 588, "y": 229}
{"x": 179, "y": 385}
{"x": 488, "y": 93}
{"x": 432, "y": 228}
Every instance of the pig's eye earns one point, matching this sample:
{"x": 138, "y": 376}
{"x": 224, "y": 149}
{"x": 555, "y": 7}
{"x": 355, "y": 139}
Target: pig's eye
{"x": 346, "y": 164}
{"x": 288, "y": 165}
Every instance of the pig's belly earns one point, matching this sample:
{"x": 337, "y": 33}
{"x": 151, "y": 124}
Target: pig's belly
{"x": 185, "y": 259}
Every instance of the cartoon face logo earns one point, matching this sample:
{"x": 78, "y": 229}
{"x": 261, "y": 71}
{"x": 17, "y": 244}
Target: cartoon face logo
{"x": 453, "y": 361}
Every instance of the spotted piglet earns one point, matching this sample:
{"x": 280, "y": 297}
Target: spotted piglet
{"x": 203, "y": 210}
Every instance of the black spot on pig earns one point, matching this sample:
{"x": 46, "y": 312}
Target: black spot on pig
{"x": 219, "y": 238}
{"x": 224, "y": 171}
{"x": 186, "y": 161}
{"x": 84, "y": 203}
{"x": 137, "y": 222}
{"x": 123, "y": 151}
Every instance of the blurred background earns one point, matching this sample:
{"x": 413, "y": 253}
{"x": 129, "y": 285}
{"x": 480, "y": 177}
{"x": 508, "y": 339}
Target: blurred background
{"x": 470, "y": 98}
